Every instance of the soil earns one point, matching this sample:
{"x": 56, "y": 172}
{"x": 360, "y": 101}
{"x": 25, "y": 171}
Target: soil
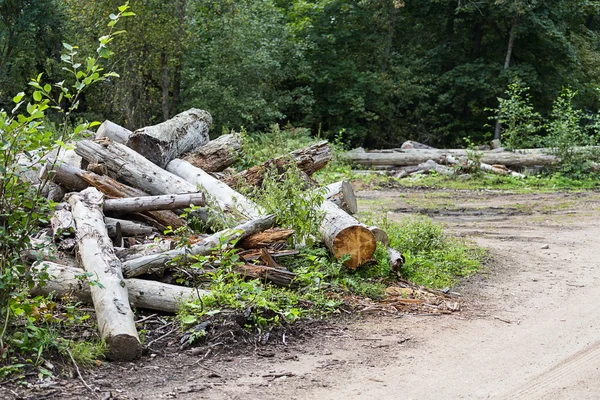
{"x": 528, "y": 329}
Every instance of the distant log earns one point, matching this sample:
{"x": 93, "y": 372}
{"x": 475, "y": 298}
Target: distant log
{"x": 342, "y": 195}
{"x": 230, "y": 201}
{"x": 154, "y": 203}
{"x": 309, "y": 160}
{"x": 168, "y": 140}
{"x": 157, "y": 263}
{"x": 410, "y": 144}
{"x": 217, "y": 154}
{"x": 152, "y": 295}
{"x": 344, "y": 235}
{"x": 115, "y": 318}
{"x": 414, "y": 157}
{"x": 133, "y": 168}
{"x": 113, "y": 131}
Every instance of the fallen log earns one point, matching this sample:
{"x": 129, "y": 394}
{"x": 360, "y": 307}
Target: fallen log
{"x": 168, "y": 140}
{"x": 410, "y": 144}
{"x": 230, "y": 201}
{"x": 62, "y": 223}
{"x": 342, "y": 195}
{"x": 344, "y": 235}
{"x": 308, "y": 160}
{"x": 415, "y": 157}
{"x": 277, "y": 276}
{"x": 115, "y": 318}
{"x": 133, "y": 169}
{"x": 152, "y": 295}
{"x": 157, "y": 263}
{"x": 395, "y": 258}
{"x": 128, "y": 228}
{"x": 154, "y": 203}
{"x": 146, "y": 249}
{"x": 113, "y": 132}
{"x": 265, "y": 238}
{"x": 381, "y": 236}
{"x": 217, "y": 154}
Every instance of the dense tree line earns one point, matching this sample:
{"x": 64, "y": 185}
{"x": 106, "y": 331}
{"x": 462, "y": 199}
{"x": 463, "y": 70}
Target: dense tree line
{"x": 373, "y": 72}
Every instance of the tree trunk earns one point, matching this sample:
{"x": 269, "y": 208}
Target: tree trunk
{"x": 113, "y": 131}
{"x": 343, "y": 235}
{"x": 230, "y": 201}
{"x": 115, "y": 318}
{"x": 168, "y": 140}
{"x": 415, "y": 157}
{"x": 152, "y": 295}
{"x": 381, "y": 236}
{"x": 157, "y": 263}
{"x": 217, "y": 154}
{"x": 342, "y": 195}
{"x": 133, "y": 168}
{"x": 128, "y": 228}
{"x": 309, "y": 160}
{"x": 154, "y": 203}
{"x": 509, "y": 50}
{"x": 164, "y": 83}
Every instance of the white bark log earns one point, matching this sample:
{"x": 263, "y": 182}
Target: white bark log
{"x": 166, "y": 141}
{"x": 128, "y": 228}
{"x": 62, "y": 223}
{"x": 115, "y": 318}
{"x": 154, "y": 203}
{"x": 133, "y": 168}
{"x": 113, "y": 131}
{"x": 157, "y": 263}
{"x": 146, "y": 249}
{"x": 381, "y": 236}
{"x": 217, "y": 154}
{"x": 395, "y": 258}
{"x": 342, "y": 234}
{"x": 152, "y": 295}
{"x": 227, "y": 199}
{"x": 342, "y": 195}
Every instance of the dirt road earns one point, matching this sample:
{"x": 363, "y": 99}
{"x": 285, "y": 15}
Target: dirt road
{"x": 531, "y": 328}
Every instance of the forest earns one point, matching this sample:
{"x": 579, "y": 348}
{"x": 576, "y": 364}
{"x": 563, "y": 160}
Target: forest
{"x": 372, "y": 73}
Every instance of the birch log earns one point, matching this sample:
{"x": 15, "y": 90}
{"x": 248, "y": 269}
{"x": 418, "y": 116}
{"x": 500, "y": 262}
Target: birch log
{"x": 128, "y": 228}
{"x": 146, "y": 249}
{"x": 217, "y": 154}
{"x": 154, "y": 203}
{"x": 309, "y": 160}
{"x": 342, "y": 234}
{"x": 157, "y": 263}
{"x": 166, "y": 141}
{"x": 228, "y": 200}
{"x": 113, "y": 131}
{"x": 115, "y": 318}
{"x": 342, "y": 195}
{"x": 133, "y": 169}
{"x": 152, "y": 295}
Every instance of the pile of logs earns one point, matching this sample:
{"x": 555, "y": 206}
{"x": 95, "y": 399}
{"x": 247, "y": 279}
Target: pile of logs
{"x": 118, "y": 193}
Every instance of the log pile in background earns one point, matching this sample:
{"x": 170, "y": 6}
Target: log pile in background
{"x": 134, "y": 188}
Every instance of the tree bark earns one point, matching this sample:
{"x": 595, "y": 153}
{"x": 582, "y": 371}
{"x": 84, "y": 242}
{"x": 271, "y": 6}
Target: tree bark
{"x": 154, "y": 203}
{"x": 277, "y": 276}
{"x": 166, "y": 141}
{"x": 146, "y": 249}
{"x": 133, "y": 168}
{"x": 342, "y": 234}
{"x": 115, "y": 318}
{"x": 381, "y": 236}
{"x": 217, "y": 154}
{"x": 415, "y": 157}
{"x": 309, "y": 160}
{"x": 509, "y": 50}
{"x": 128, "y": 228}
{"x": 114, "y": 132}
{"x": 157, "y": 263}
{"x": 265, "y": 238}
{"x": 152, "y": 295}
{"x": 342, "y": 195}
{"x": 226, "y": 198}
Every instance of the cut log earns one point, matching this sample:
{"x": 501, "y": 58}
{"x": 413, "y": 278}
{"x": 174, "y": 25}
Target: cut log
{"x": 113, "y": 132}
{"x": 265, "y": 238}
{"x": 230, "y": 201}
{"x": 344, "y": 235}
{"x": 410, "y": 144}
{"x": 277, "y": 276}
{"x": 414, "y": 157}
{"x": 115, "y": 318}
{"x": 309, "y": 160}
{"x": 133, "y": 169}
{"x": 168, "y": 140}
{"x": 146, "y": 249}
{"x": 217, "y": 154}
{"x": 342, "y": 195}
{"x": 128, "y": 228}
{"x": 62, "y": 223}
{"x": 395, "y": 258}
{"x": 381, "y": 236}
{"x": 432, "y": 166}
{"x": 154, "y": 203}
{"x": 157, "y": 263}
{"x": 152, "y": 295}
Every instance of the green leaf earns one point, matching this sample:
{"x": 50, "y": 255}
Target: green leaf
{"x": 47, "y": 88}
{"x": 124, "y": 7}
{"x": 37, "y": 95}
{"x": 68, "y": 46}
{"x": 128, "y": 14}
{"x": 111, "y": 23}
{"x": 18, "y": 97}
{"x": 78, "y": 129}
{"x": 65, "y": 58}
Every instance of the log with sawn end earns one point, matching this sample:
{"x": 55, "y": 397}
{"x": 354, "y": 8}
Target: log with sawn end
{"x": 128, "y": 228}
{"x": 152, "y": 295}
{"x": 157, "y": 263}
{"x": 111, "y": 302}
{"x": 217, "y": 154}
{"x": 166, "y": 141}
{"x": 113, "y": 132}
{"x": 342, "y": 195}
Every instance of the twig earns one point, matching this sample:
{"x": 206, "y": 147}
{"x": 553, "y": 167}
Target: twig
{"x": 503, "y": 320}
{"x": 81, "y": 377}
{"x": 161, "y": 337}
{"x": 139, "y": 321}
